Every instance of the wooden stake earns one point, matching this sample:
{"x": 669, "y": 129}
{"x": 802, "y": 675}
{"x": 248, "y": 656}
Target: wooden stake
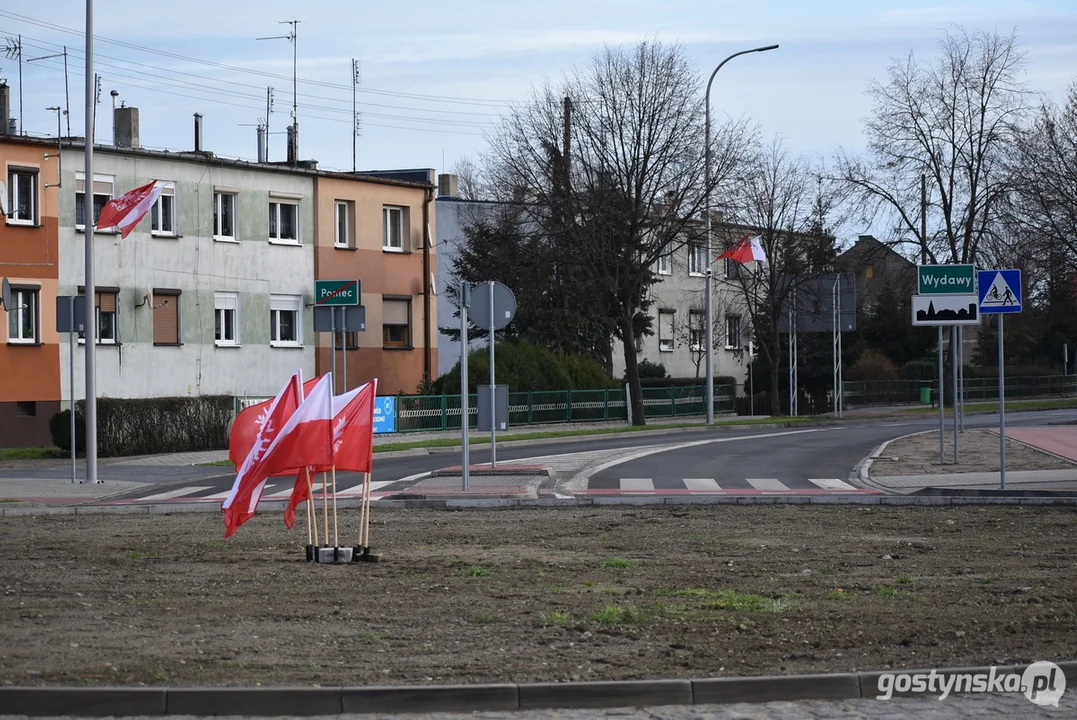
{"x": 362, "y": 514}
{"x": 325, "y": 506}
{"x": 336, "y": 538}
{"x": 310, "y": 535}
{"x": 366, "y": 498}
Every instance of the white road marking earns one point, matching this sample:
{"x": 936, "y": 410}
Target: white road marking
{"x": 831, "y": 484}
{"x": 701, "y": 484}
{"x": 637, "y": 484}
{"x": 284, "y": 494}
{"x": 766, "y": 484}
{"x": 174, "y": 493}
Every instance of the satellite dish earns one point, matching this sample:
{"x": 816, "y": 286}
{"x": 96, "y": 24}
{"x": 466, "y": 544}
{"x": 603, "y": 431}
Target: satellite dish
{"x": 5, "y": 288}
{"x": 3, "y": 202}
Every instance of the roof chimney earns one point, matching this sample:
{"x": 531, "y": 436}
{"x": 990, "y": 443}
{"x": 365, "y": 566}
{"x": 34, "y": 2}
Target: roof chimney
{"x": 448, "y": 185}
{"x": 125, "y": 127}
{"x": 5, "y": 107}
{"x": 198, "y": 132}
{"x": 262, "y": 139}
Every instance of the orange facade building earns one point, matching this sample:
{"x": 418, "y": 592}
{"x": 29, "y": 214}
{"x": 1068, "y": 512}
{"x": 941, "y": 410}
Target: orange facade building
{"x": 378, "y": 228}
{"x": 29, "y": 260}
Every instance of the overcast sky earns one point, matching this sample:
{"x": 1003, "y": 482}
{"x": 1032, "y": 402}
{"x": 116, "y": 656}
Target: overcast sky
{"x": 436, "y": 74}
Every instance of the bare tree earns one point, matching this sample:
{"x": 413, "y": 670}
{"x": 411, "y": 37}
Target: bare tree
{"x": 953, "y": 122}
{"x": 610, "y": 166}
{"x": 471, "y": 182}
{"x": 786, "y": 203}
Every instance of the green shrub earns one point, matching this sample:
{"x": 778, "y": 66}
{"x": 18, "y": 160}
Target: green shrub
{"x": 923, "y": 369}
{"x": 648, "y": 369}
{"x": 524, "y": 366}
{"x": 60, "y": 427}
{"x": 149, "y": 426}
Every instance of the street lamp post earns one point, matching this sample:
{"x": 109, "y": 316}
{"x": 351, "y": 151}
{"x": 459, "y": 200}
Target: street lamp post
{"x": 709, "y": 331}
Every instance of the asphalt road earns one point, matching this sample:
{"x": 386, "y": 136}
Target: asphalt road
{"x": 793, "y": 457}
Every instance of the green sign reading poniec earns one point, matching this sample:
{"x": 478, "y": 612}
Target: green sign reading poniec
{"x": 336, "y": 292}
{"x": 946, "y": 279}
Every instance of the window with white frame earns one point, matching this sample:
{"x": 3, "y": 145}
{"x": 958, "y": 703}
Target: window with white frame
{"x": 285, "y": 318}
{"x": 392, "y": 228}
{"x": 345, "y": 224}
{"x": 731, "y": 271}
{"x": 665, "y": 330}
{"x": 102, "y": 193}
{"x": 697, "y": 258}
{"x": 224, "y": 216}
{"x": 163, "y": 213}
{"x": 284, "y": 221}
{"x": 696, "y": 331}
{"x": 22, "y": 196}
{"x": 105, "y": 328}
{"x": 226, "y": 318}
{"x": 665, "y": 263}
{"x": 732, "y": 332}
{"x": 396, "y": 322}
{"x": 22, "y": 317}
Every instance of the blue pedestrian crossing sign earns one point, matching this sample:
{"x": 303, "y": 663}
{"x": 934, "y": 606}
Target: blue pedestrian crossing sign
{"x": 1000, "y": 291}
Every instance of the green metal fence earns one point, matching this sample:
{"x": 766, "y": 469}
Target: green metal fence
{"x": 442, "y": 412}
{"x": 911, "y": 392}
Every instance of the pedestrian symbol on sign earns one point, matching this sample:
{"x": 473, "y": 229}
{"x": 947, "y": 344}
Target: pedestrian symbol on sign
{"x": 1000, "y": 291}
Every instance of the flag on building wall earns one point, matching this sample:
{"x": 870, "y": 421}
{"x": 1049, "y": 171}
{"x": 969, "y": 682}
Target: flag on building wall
{"x": 126, "y": 210}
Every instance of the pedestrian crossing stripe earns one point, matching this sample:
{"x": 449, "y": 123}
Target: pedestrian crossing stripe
{"x": 703, "y": 486}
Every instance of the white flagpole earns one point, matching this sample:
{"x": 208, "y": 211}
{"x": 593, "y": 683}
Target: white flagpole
{"x": 90, "y": 329}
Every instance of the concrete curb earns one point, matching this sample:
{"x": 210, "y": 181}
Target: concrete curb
{"x": 44, "y": 701}
{"x": 488, "y": 502}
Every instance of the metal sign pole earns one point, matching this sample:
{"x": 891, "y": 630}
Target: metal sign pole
{"x": 1001, "y": 407}
{"x": 493, "y": 395}
{"x": 71, "y": 361}
{"x": 942, "y": 403}
{"x": 344, "y": 345}
{"x": 465, "y": 457}
{"x": 333, "y": 345}
{"x": 953, "y": 362}
{"x": 961, "y": 375}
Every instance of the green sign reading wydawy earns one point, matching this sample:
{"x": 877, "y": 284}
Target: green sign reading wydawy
{"x": 336, "y": 292}
{"x": 946, "y": 279}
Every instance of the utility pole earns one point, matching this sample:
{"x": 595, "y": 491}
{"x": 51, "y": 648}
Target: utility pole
{"x": 269, "y": 111}
{"x": 357, "y": 123}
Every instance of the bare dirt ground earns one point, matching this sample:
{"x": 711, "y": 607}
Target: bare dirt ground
{"x": 557, "y": 594}
{"x": 978, "y": 451}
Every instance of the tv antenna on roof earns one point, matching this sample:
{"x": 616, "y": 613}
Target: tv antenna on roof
{"x": 292, "y": 38}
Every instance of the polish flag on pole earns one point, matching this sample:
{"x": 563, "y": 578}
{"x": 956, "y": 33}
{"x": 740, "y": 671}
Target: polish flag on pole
{"x": 247, "y": 424}
{"x": 353, "y": 442}
{"x": 125, "y": 211}
{"x": 271, "y": 421}
{"x": 746, "y": 250}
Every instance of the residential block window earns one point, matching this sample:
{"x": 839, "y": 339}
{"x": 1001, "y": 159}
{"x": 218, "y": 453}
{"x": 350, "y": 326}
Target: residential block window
{"x": 226, "y": 318}
{"x": 22, "y": 196}
{"x": 732, "y": 332}
{"x": 102, "y": 193}
{"x": 696, "y": 331}
{"x": 396, "y": 322}
{"x": 345, "y": 224}
{"x": 105, "y": 327}
{"x": 23, "y": 321}
{"x": 166, "y": 317}
{"x": 163, "y": 213}
{"x": 731, "y": 270}
{"x": 26, "y": 409}
{"x": 285, "y": 318}
{"x": 284, "y": 221}
{"x": 224, "y": 216}
{"x": 665, "y": 330}
{"x": 697, "y": 258}
{"x": 665, "y": 263}
{"x": 392, "y": 228}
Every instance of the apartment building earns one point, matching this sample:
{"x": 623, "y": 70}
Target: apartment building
{"x": 213, "y": 291}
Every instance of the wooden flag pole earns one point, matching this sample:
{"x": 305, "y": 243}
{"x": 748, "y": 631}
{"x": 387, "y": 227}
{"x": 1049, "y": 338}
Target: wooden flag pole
{"x": 325, "y": 506}
{"x": 362, "y": 514}
{"x": 366, "y": 517}
{"x": 336, "y": 538}
{"x": 310, "y": 535}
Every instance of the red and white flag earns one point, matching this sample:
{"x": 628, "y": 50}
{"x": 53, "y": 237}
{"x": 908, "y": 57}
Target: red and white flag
{"x": 353, "y": 441}
{"x": 126, "y": 210}
{"x": 247, "y": 424}
{"x": 746, "y": 250}
{"x": 273, "y": 419}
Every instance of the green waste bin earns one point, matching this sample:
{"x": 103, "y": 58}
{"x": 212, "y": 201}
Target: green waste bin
{"x": 925, "y": 395}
